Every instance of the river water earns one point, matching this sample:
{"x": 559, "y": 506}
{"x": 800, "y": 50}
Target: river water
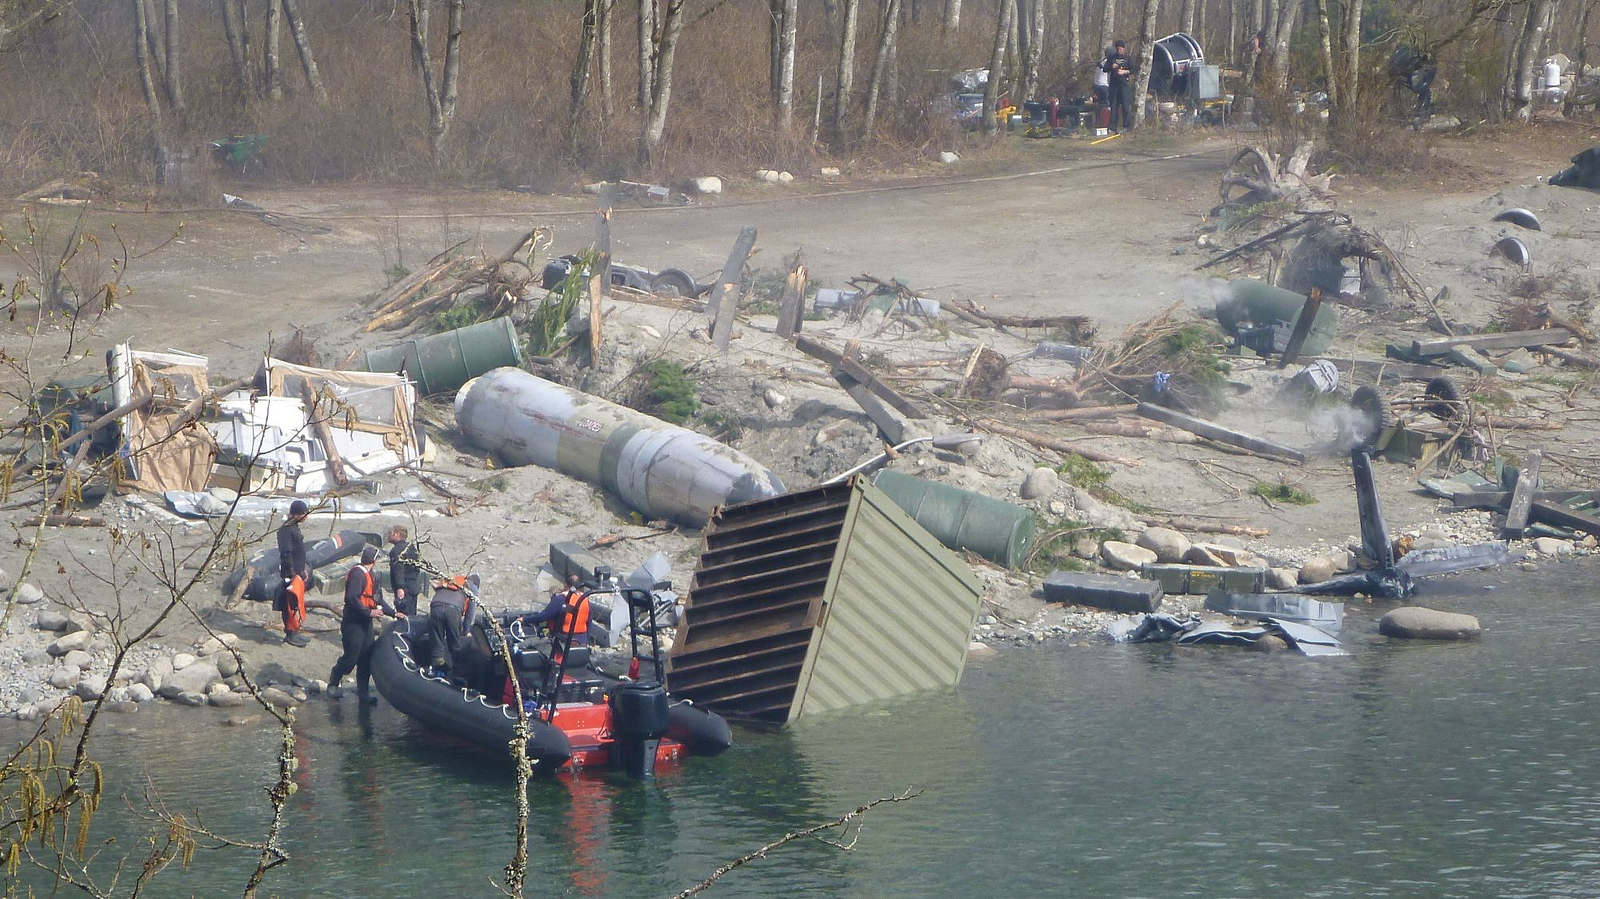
{"x": 1406, "y": 769}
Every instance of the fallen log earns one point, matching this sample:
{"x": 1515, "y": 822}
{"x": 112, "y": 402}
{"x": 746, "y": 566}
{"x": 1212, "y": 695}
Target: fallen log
{"x": 1379, "y": 369}
{"x": 66, "y": 521}
{"x": 1507, "y": 341}
{"x": 1218, "y": 433}
{"x": 1507, "y": 423}
{"x": 1044, "y": 441}
{"x": 1130, "y": 429}
{"x": 1196, "y": 525}
{"x": 1077, "y": 323}
{"x": 890, "y": 427}
{"x": 1081, "y": 413}
{"x": 873, "y": 383}
{"x": 1577, "y": 359}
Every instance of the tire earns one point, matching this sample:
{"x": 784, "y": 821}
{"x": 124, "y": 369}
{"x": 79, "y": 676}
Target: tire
{"x": 674, "y": 282}
{"x": 1446, "y": 396}
{"x": 1373, "y": 417}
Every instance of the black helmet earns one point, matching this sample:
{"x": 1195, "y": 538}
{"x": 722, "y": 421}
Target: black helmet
{"x": 297, "y": 509}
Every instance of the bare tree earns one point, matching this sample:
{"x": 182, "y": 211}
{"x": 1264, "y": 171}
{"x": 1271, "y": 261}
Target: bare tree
{"x": 1525, "y": 71}
{"x": 1147, "y": 51}
{"x": 174, "y": 81}
{"x": 143, "y": 56}
{"x": 1349, "y": 64}
{"x": 647, "y": 46}
{"x": 608, "y": 105}
{"x": 663, "y": 55}
{"x": 1325, "y": 41}
{"x": 302, "y": 44}
{"x": 19, "y": 20}
{"x": 845, "y": 85}
{"x": 790, "y": 10}
{"x": 440, "y": 94}
{"x": 991, "y": 90}
{"x": 1286, "y": 19}
{"x": 588, "y": 36}
{"x": 880, "y": 61}
{"x": 952, "y": 18}
{"x": 1108, "y": 27}
{"x": 272, "y": 74}
{"x": 233, "y": 28}
{"x": 1074, "y": 36}
{"x": 1030, "y": 65}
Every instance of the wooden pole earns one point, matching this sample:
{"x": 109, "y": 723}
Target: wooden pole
{"x": 1522, "y": 494}
{"x": 1218, "y": 433}
{"x": 724, "y": 300}
{"x": 1302, "y": 327}
{"x": 600, "y": 278}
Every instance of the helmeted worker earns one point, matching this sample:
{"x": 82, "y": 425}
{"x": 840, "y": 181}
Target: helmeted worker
{"x": 363, "y": 605}
{"x": 450, "y": 617}
{"x": 291, "y": 599}
{"x": 567, "y": 613}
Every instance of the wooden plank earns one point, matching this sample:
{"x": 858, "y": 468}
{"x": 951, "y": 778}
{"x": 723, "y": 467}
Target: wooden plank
{"x": 1218, "y": 433}
{"x": 1522, "y": 494}
{"x": 1499, "y": 499}
{"x": 856, "y": 370}
{"x": 816, "y": 349}
{"x": 1302, "y": 327}
{"x": 791, "y": 305}
{"x": 724, "y": 301}
{"x": 1507, "y": 341}
{"x": 600, "y": 278}
{"x": 890, "y": 427}
{"x": 1548, "y": 512}
{"x": 1378, "y": 369}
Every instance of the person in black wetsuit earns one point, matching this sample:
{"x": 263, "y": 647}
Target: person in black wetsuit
{"x": 404, "y": 575}
{"x": 568, "y": 611}
{"x": 363, "y": 606}
{"x": 1119, "y": 67}
{"x": 292, "y": 566}
{"x": 450, "y": 617}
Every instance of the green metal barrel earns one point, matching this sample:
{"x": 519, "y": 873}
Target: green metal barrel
{"x": 444, "y": 362}
{"x": 1247, "y": 300}
{"x": 997, "y": 530}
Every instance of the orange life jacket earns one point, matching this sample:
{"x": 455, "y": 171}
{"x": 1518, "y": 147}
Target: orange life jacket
{"x": 576, "y": 618}
{"x": 367, "y": 598}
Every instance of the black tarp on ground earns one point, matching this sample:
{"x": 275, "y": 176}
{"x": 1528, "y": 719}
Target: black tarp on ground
{"x": 1584, "y": 172}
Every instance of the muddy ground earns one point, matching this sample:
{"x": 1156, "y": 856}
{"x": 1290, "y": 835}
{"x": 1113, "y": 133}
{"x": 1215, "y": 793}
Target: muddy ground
{"x": 1056, "y": 227}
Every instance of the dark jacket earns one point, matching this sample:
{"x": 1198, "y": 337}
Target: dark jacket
{"x": 292, "y": 551}
{"x": 553, "y": 614}
{"x": 355, "y": 583}
{"x": 1116, "y": 61}
{"x": 403, "y": 571}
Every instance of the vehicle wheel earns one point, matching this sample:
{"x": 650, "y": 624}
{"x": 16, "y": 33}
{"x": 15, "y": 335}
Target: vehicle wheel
{"x": 674, "y": 282}
{"x": 1373, "y": 416}
{"x": 1448, "y": 400}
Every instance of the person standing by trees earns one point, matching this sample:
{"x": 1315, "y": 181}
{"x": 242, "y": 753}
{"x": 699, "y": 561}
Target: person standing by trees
{"x": 1118, "y": 67}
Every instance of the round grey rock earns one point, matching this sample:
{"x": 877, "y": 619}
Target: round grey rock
{"x": 228, "y": 700}
{"x": 140, "y": 693}
{"x": 1282, "y": 578}
{"x": 28, "y": 594}
{"x": 189, "y": 698}
{"x": 1318, "y": 569}
{"x": 1167, "y": 544}
{"x": 78, "y": 659}
{"x": 1551, "y": 546}
{"x": 1418, "y": 623}
{"x": 66, "y": 643}
{"x": 65, "y": 677}
{"x": 91, "y": 687}
{"x": 182, "y": 660}
{"x": 1125, "y": 556}
{"x": 50, "y": 620}
{"x": 278, "y": 699}
{"x": 227, "y": 665}
{"x": 1040, "y": 482}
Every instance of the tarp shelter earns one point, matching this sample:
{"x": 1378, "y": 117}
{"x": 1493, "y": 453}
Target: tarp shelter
{"x": 367, "y": 415}
{"x": 157, "y": 453}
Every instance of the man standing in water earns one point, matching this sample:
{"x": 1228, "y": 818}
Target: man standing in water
{"x": 292, "y": 565}
{"x": 363, "y": 606}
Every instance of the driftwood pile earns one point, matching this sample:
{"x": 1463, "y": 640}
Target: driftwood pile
{"x": 451, "y": 276}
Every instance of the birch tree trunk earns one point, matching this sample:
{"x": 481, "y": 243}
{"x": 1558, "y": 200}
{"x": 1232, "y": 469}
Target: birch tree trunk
{"x": 1350, "y": 63}
{"x": 1186, "y": 16}
{"x": 661, "y": 82}
{"x": 271, "y": 73}
{"x": 774, "y": 46}
{"x": 1528, "y": 66}
{"x": 302, "y": 44}
{"x": 440, "y": 95}
{"x": 991, "y": 90}
{"x": 791, "y": 24}
{"x": 647, "y": 59}
{"x": 174, "y": 45}
{"x": 1074, "y": 37}
{"x": 581, "y": 67}
{"x": 1030, "y": 66}
{"x": 847, "y": 69}
{"x": 238, "y": 53}
{"x": 608, "y": 104}
{"x": 1325, "y": 38}
{"x": 952, "y": 18}
{"x": 1147, "y": 52}
{"x": 147, "y": 75}
{"x": 880, "y": 62}
{"x": 155, "y": 38}
{"x": 1108, "y": 28}
{"x": 1288, "y": 14}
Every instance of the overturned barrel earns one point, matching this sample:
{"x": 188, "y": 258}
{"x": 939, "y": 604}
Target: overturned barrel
{"x": 997, "y": 530}
{"x": 1244, "y": 302}
{"x": 444, "y": 362}
{"x": 660, "y": 469}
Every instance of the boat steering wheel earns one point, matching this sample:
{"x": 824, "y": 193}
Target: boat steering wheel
{"x": 517, "y": 631}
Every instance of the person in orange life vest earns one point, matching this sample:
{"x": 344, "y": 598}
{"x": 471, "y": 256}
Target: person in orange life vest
{"x": 450, "y": 617}
{"x": 292, "y": 565}
{"x": 567, "y": 613}
{"x": 363, "y": 606}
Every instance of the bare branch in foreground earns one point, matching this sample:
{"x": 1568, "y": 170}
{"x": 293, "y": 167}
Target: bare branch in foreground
{"x": 843, "y": 821}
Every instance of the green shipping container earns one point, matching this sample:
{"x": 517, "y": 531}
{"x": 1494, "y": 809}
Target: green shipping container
{"x": 999, "y": 531}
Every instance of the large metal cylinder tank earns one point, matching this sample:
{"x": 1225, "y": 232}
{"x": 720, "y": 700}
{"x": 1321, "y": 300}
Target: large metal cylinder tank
{"x": 999, "y": 531}
{"x": 660, "y": 469}
{"x": 1246, "y": 301}
{"x": 443, "y": 362}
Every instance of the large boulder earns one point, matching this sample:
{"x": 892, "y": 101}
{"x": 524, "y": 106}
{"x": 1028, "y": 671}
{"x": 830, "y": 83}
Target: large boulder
{"x": 1282, "y": 578}
{"x": 1168, "y": 545}
{"x": 1125, "y": 556}
{"x": 64, "y": 677}
{"x": 197, "y": 677}
{"x": 277, "y": 698}
{"x": 182, "y": 660}
{"x": 227, "y": 663}
{"x": 1551, "y": 546}
{"x": 140, "y": 693}
{"x": 1318, "y": 569}
{"x": 1039, "y": 483}
{"x": 50, "y": 620}
{"x": 66, "y": 643}
{"x": 28, "y": 594}
{"x": 91, "y": 687}
{"x": 78, "y": 659}
{"x": 1418, "y": 623}
{"x": 155, "y": 676}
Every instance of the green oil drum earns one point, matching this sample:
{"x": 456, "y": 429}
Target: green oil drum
{"x": 999, "y": 531}
{"x": 444, "y": 362}
{"x": 1246, "y": 300}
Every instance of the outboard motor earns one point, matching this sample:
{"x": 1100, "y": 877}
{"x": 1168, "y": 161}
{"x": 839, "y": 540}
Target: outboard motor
{"x": 639, "y": 719}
